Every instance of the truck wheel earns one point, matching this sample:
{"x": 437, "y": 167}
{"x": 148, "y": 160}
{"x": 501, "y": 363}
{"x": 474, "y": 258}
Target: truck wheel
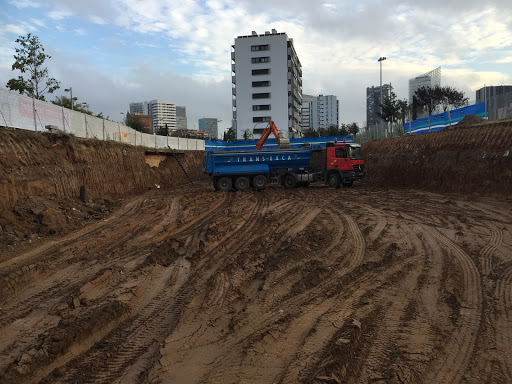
{"x": 224, "y": 184}
{"x": 259, "y": 182}
{"x": 289, "y": 181}
{"x": 334, "y": 180}
{"x": 241, "y": 183}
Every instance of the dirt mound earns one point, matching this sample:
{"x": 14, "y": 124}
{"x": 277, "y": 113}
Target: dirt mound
{"x": 476, "y": 159}
{"x": 467, "y": 121}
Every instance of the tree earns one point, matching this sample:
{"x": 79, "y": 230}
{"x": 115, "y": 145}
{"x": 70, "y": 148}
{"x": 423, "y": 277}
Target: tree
{"x": 230, "y": 135}
{"x": 247, "y": 135}
{"x": 310, "y": 132}
{"x": 344, "y": 130}
{"x": 389, "y": 108}
{"x": 353, "y": 128}
{"x": 404, "y": 108}
{"x": 65, "y": 102}
{"x": 163, "y": 131}
{"x": 429, "y": 98}
{"x": 455, "y": 98}
{"x": 29, "y": 60}
{"x": 134, "y": 122}
{"x": 332, "y": 130}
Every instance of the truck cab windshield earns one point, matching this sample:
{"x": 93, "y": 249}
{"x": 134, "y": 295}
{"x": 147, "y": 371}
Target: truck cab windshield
{"x": 355, "y": 152}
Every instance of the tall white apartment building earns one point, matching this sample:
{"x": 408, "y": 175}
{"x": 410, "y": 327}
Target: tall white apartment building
{"x": 267, "y": 84}
{"x": 163, "y": 112}
{"x": 320, "y": 112}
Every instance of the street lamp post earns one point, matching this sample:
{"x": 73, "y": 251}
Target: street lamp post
{"x": 381, "y": 59}
{"x": 122, "y": 113}
{"x": 70, "y": 90}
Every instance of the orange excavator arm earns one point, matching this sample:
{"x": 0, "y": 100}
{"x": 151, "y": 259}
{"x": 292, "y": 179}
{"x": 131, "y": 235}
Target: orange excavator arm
{"x": 271, "y": 128}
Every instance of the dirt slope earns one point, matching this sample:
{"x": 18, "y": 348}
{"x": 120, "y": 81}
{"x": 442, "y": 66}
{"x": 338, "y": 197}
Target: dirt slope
{"x": 183, "y": 284}
{"x": 477, "y": 159}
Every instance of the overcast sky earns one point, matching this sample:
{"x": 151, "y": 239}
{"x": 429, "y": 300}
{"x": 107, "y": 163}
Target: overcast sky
{"x": 113, "y": 52}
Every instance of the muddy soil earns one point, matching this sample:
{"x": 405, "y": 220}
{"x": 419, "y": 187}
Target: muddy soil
{"x": 182, "y": 284}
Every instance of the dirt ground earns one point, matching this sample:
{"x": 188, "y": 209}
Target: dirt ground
{"x": 182, "y": 284}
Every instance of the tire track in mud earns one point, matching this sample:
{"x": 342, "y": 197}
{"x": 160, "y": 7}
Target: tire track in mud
{"x": 225, "y": 251}
{"x": 503, "y": 295}
{"x": 286, "y": 226}
{"x": 415, "y": 335}
{"x": 333, "y": 313}
{"x": 142, "y": 333}
{"x": 287, "y": 273}
{"x": 52, "y": 246}
{"x": 60, "y": 284}
{"x": 379, "y": 227}
{"x": 294, "y": 307}
{"x": 177, "y": 229}
{"x": 37, "y": 302}
{"x": 488, "y": 251}
{"x": 64, "y": 277}
{"x": 156, "y": 321}
{"x": 458, "y": 350}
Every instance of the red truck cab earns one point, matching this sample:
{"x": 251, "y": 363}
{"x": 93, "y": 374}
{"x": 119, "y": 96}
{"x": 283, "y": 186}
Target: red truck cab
{"x": 345, "y": 163}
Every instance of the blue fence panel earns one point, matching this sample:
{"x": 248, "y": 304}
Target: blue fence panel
{"x": 441, "y": 120}
{"x": 271, "y": 143}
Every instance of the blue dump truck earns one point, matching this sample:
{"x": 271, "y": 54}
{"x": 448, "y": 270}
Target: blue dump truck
{"x": 337, "y": 164}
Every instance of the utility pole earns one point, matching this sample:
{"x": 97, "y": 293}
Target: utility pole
{"x": 381, "y": 59}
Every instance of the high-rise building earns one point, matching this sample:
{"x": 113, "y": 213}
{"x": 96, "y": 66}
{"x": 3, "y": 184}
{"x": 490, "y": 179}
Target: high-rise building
{"x": 499, "y": 101}
{"x": 209, "y": 125}
{"x": 163, "y": 112}
{"x": 140, "y": 108}
{"x": 305, "y": 114}
{"x": 181, "y": 118}
{"x": 267, "y": 84}
{"x": 319, "y": 112}
{"x": 374, "y": 95}
{"x": 429, "y": 79}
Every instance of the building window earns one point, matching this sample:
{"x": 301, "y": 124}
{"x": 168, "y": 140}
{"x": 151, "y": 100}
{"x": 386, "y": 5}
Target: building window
{"x": 261, "y": 119}
{"x": 265, "y": 47}
{"x": 261, "y": 83}
{"x": 256, "y": 60}
{"x": 261, "y": 107}
{"x": 261, "y": 95}
{"x": 265, "y": 71}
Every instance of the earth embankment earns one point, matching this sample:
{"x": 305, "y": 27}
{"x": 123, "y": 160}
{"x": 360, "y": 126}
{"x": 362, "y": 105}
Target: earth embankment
{"x": 475, "y": 159}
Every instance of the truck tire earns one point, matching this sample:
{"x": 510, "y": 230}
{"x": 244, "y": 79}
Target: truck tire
{"x": 241, "y": 183}
{"x": 259, "y": 182}
{"x": 289, "y": 181}
{"x": 334, "y": 180}
{"x": 224, "y": 184}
